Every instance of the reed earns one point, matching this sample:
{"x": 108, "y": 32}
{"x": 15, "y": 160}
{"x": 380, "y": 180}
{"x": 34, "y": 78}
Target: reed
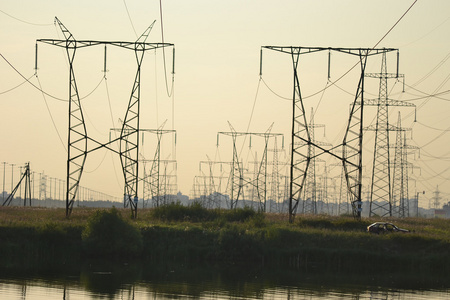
{"x": 194, "y": 234}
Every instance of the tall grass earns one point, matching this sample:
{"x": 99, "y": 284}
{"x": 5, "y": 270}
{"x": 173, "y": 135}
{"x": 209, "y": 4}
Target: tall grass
{"x": 194, "y": 233}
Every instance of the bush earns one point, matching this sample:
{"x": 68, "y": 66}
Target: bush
{"x": 194, "y": 212}
{"x": 239, "y": 214}
{"x": 107, "y": 234}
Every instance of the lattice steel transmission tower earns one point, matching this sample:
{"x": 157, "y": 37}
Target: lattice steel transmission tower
{"x": 79, "y": 142}
{"x": 437, "y": 198}
{"x": 381, "y": 192}
{"x": 42, "y": 186}
{"x": 153, "y": 179}
{"x": 276, "y": 188}
{"x": 238, "y": 180}
{"x": 401, "y": 166}
{"x": 26, "y": 179}
{"x": 310, "y": 188}
{"x": 301, "y": 135}
{"x": 215, "y": 181}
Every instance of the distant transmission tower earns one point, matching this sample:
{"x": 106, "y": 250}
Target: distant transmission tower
{"x": 401, "y": 166}
{"x": 381, "y": 196}
{"x": 26, "y": 179}
{"x": 238, "y": 179}
{"x": 310, "y": 189}
{"x": 78, "y": 138}
{"x": 437, "y": 198}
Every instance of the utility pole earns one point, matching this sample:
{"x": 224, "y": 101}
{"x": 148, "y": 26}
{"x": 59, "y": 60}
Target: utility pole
{"x": 78, "y": 137}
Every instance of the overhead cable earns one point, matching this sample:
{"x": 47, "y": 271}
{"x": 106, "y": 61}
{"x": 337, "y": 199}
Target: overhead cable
{"x": 164, "y": 54}
{"x": 129, "y": 18}
{"x": 26, "y": 22}
{"x": 50, "y": 113}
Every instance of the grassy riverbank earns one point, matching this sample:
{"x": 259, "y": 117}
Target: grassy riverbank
{"x": 191, "y": 234}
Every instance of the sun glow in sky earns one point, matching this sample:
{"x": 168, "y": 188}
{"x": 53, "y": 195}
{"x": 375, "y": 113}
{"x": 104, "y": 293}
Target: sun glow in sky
{"x": 217, "y": 81}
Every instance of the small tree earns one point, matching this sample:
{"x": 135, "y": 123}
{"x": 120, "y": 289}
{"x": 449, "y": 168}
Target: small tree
{"x": 107, "y": 234}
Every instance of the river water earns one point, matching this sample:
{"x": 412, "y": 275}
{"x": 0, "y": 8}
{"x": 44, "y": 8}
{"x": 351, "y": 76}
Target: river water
{"x": 103, "y": 280}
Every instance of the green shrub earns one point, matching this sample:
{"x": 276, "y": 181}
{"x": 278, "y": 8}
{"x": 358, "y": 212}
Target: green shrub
{"x": 238, "y": 214}
{"x": 107, "y": 234}
{"x": 172, "y": 212}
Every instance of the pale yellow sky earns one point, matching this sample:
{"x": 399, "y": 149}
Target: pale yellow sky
{"x": 217, "y": 78}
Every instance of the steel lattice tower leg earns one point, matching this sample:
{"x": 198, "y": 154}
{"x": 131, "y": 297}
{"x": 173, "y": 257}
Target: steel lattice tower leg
{"x": 129, "y": 141}
{"x": 299, "y": 161}
{"x": 77, "y": 135}
{"x": 352, "y": 143}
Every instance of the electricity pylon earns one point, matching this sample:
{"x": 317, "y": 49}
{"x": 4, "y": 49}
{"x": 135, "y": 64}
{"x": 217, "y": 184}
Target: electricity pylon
{"x": 215, "y": 181}
{"x": 276, "y": 191}
{"x": 310, "y": 190}
{"x": 437, "y": 198}
{"x": 381, "y": 195}
{"x": 301, "y": 135}
{"x": 237, "y": 172}
{"x": 78, "y": 137}
{"x": 401, "y": 166}
{"x": 26, "y": 178}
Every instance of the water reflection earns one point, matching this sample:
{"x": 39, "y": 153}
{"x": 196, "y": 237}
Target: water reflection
{"x": 137, "y": 280}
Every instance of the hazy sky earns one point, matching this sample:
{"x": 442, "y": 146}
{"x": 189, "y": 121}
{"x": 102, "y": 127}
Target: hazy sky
{"x": 217, "y": 79}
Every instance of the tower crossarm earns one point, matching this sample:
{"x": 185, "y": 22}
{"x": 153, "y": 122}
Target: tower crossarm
{"x": 390, "y": 128}
{"x": 384, "y": 75}
{"x": 306, "y": 50}
{"x": 389, "y": 102}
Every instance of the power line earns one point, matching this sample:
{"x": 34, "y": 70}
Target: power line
{"x": 164, "y": 54}
{"x": 434, "y": 95}
{"x": 39, "y": 89}
{"x": 13, "y": 88}
{"x": 349, "y": 70}
{"x": 434, "y": 128}
{"x": 50, "y": 114}
{"x": 129, "y": 18}
{"x": 26, "y": 22}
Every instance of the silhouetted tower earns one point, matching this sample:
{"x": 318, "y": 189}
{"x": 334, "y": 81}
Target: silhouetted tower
{"x": 155, "y": 178}
{"x": 301, "y": 135}
{"x": 215, "y": 180}
{"x": 276, "y": 190}
{"x": 25, "y": 178}
{"x": 78, "y": 139}
{"x": 400, "y": 170}
{"x": 311, "y": 188}
{"x": 238, "y": 178}
{"x": 437, "y": 198}
{"x": 42, "y": 186}
{"x": 381, "y": 196}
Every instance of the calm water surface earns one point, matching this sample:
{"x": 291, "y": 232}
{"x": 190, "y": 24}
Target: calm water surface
{"x": 177, "y": 281}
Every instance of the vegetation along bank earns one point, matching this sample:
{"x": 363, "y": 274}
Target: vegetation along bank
{"x": 193, "y": 234}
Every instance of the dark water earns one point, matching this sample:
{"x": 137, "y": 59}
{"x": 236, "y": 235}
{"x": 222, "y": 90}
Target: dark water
{"x": 105, "y": 280}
